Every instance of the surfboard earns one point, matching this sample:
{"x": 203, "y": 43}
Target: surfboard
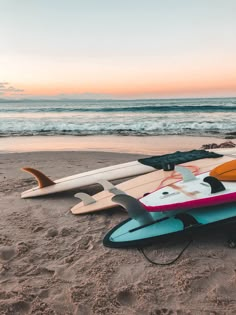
{"x": 194, "y": 191}
{"x": 139, "y": 186}
{"x": 135, "y": 233}
{"x": 47, "y": 186}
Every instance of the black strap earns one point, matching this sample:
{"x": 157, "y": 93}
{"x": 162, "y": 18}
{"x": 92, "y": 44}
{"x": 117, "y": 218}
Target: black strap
{"x": 169, "y": 262}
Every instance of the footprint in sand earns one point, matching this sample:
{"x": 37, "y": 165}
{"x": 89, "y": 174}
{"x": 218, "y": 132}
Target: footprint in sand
{"x": 165, "y": 311}
{"x": 51, "y": 232}
{"x": 125, "y": 297}
{"x": 18, "y": 307}
{"x": 85, "y": 242}
{"x": 7, "y": 252}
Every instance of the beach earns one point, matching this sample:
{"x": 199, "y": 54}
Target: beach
{"x": 101, "y": 105}
{"x": 54, "y": 262}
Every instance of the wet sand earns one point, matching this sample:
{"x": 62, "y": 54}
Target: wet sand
{"x": 121, "y": 144}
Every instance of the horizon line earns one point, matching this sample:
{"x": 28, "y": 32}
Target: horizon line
{"x": 109, "y": 99}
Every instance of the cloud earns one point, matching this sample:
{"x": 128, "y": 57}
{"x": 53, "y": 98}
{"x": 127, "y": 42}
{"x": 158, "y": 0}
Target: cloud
{"x": 7, "y": 90}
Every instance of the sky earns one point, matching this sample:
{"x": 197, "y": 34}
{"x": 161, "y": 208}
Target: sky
{"x": 117, "y": 49}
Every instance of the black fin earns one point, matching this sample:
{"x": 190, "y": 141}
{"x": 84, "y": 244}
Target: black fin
{"x": 187, "y": 219}
{"x": 216, "y": 185}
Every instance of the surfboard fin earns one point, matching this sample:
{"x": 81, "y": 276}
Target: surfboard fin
{"x": 187, "y": 175}
{"x": 85, "y": 198}
{"x": 110, "y": 187}
{"x": 216, "y": 185}
{"x": 135, "y": 209}
{"x": 43, "y": 180}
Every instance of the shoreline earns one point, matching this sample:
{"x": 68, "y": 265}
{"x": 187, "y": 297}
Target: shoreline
{"x": 148, "y": 145}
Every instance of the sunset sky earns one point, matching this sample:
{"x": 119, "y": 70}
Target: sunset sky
{"x": 117, "y": 49}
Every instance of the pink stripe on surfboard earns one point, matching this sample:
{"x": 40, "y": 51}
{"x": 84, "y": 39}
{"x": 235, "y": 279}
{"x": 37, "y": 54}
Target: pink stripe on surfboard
{"x": 197, "y": 203}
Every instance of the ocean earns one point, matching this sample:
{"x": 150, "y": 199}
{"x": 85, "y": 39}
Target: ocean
{"x": 194, "y": 117}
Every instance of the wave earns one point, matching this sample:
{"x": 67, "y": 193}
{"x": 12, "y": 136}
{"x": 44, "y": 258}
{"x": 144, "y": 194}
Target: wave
{"x": 142, "y": 128}
{"x": 140, "y": 117}
{"x": 125, "y": 109}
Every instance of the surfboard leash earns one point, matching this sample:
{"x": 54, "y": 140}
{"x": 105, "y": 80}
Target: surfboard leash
{"x": 231, "y": 244}
{"x": 141, "y": 250}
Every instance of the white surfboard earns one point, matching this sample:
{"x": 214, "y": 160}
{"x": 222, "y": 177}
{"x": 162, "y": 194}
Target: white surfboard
{"x": 203, "y": 190}
{"x": 138, "y": 186}
{"x": 47, "y": 186}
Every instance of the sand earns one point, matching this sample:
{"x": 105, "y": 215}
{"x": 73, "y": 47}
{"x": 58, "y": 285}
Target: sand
{"x": 122, "y": 144}
{"x": 53, "y": 262}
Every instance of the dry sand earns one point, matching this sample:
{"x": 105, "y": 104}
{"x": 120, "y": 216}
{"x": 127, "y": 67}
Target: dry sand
{"x": 52, "y": 262}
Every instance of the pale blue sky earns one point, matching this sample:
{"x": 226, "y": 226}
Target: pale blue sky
{"x": 116, "y": 36}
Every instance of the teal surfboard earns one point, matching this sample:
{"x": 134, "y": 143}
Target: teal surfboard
{"x": 159, "y": 226}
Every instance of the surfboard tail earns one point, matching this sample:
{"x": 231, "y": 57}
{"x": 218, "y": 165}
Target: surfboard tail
{"x": 42, "y": 179}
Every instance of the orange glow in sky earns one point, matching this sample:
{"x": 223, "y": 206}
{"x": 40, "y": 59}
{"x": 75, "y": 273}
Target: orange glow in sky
{"x": 118, "y": 50}
{"x": 208, "y": 84}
